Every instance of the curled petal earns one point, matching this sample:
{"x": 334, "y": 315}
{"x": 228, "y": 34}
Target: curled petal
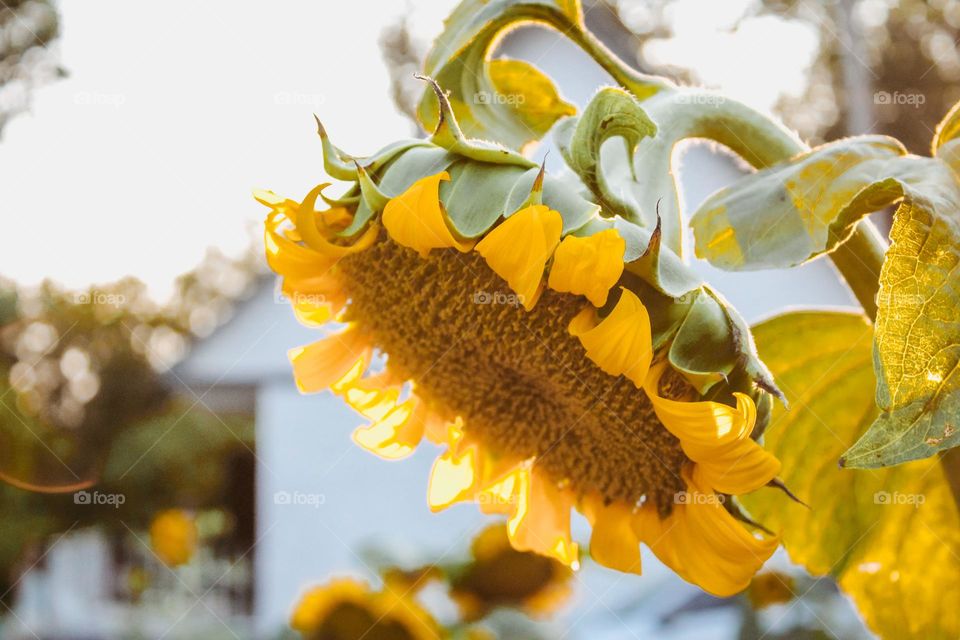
{"x": 416, "y": 218}
{"x": 621, "y": 344}
{"x": 326, "y": 362}
{"x": 518, "y": 248}
{"x": 316, "y": 239}
{"x": 716, "y": 437}
{"x": 287, "y": 258}
{"x": 588, "y": 266}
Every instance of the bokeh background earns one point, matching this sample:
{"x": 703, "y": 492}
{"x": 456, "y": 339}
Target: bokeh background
{"x": 142, "y": 343}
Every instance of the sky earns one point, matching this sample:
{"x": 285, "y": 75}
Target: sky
{"x": 173, "y": 112}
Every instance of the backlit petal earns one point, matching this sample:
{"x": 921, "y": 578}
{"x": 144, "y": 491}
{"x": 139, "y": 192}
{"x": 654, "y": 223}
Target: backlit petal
{"x": 541, "y": 522}
{"x": 452, "y": 479}
{"x": 321, "y": 364}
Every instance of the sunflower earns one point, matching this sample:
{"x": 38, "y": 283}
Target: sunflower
{"x": 500, "y": 576}
{"x": 561, "y": 357}
{"x": 173, "y": 537}
{"x": 346, "y": 609}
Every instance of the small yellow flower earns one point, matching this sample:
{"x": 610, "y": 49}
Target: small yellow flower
{"x": 588, "y": 266}
{"x": 173, "y": 537}
{"x": 500, "y": 576}
{"x": 522, "y": 263}
{"x": 346, "y": 609}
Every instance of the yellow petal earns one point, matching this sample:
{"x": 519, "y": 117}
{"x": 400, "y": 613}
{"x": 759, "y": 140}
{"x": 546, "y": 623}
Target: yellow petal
{"x": 500, "y": 496}
{"x": 315, "y": 299}
{"x": 452, "y": 479}
{"x": 717, "y": 437}
{"x": 416, "y": 218}
{"x": 315, "y": 238}
{"x": 394, "y": 436}
{"x": 322, "y": 364}
{"x": 741, "y": 468}
{"x": 613, "y": 542}
{"x": 287, "y": 258}
{"x": 518, "y": 248}
{"x": 621, "y": 343}
{"x": 541, "y": 522}
{"x": 588, "y": 266}
{"x": 704, "y": 544}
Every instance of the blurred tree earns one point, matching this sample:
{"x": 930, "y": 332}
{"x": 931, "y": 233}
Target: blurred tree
{"x": 27, "y": 27}
{"x": 883, "y": 66}
{"x": 85, "y": 406}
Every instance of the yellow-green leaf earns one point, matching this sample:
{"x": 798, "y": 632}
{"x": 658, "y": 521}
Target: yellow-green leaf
{"x": 535, "y": 98}
{"x": 891, "y": 537}
{"x": 918, "y": 323}
{"x": 460, "y": 63}
{"x": 794, "y": 211}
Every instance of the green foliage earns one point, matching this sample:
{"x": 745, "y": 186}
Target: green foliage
{"x": 892, "y": 536}
{"x": 800, "y": 209}
{"x": 787, "y": 214}
{"x": 507, "y": 101}
{"x": 612, "y": 113}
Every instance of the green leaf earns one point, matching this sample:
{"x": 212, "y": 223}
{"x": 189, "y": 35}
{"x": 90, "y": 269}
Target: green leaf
{"x": 450, "y": 136}
{"x": 891, "y": 536}
{"x": 512, "y": 103}
{"x": 611, "y": 113}
{"x": 918, "y": 325}
{"x": 789, "y": 213}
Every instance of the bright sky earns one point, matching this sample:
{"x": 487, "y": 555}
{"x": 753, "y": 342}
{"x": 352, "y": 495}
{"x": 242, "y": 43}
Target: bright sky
{"x": 146, "y": 154}
{"x": 172, "y": 113}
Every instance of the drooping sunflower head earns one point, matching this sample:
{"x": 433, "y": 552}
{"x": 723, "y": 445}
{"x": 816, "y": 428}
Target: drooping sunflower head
{"x": 346, "y": 609}
{"x": 561, "y": 356}
{"x": 500, "y": 576}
